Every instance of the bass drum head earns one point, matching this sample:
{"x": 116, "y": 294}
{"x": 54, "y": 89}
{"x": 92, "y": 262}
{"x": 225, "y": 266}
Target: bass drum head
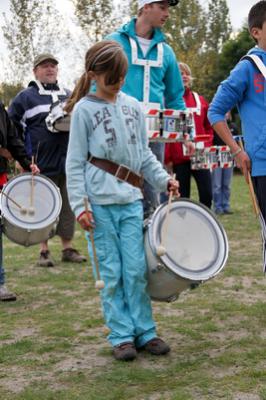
{"x": 39, "y": 197}
{"x": 196, "y": 243}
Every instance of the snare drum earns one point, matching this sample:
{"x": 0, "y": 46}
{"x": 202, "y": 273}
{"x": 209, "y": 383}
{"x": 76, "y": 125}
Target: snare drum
{"x": 58, "y": 120}
{"x": 196, "y": 248}
{"x": 178, "y": 125}
{"x": 169, "y": 125}
{"x": 225, "y": 157}
{"x": 30, "y": 209}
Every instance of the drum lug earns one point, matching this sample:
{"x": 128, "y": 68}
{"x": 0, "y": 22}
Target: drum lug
{"x": 158, "y": 268}
{"x": 172, "y": 298}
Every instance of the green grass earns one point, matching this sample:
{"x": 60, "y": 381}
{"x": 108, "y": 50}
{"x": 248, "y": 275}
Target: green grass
{"x": 53, "y": 339}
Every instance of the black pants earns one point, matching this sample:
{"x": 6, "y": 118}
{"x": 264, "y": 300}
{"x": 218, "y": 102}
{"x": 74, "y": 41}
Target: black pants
{"x": 203, "y": 180}
{"x": 259, "y": 183}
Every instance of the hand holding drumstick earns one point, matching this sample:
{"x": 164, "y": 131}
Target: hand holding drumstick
{"x": 86, "y": 221}
{"x": 173, "y": 187}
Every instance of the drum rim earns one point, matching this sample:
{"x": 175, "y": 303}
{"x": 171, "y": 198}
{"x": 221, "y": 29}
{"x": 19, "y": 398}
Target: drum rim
{"x": 190, "y": 274}
{"x": 6, "y": 215}
{"x": 59, "y": 120}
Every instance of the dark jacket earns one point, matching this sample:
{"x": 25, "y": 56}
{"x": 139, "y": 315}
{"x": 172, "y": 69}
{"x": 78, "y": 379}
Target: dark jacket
{"x": 28, "y": 111}
{"x": 10, "y": 141}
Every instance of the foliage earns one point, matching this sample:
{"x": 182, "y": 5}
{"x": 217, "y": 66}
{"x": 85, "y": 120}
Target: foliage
{"x": 218, "y": 25}
{"x": 94, "y": 17}
{"x": 233, "y": 50}
{"x": 8, "y": 91}
{"x": 197, "y": 35}
{"x": 99, "y": 17}
{"x": 33, "y": 27}
{"x": 186, "y": 29}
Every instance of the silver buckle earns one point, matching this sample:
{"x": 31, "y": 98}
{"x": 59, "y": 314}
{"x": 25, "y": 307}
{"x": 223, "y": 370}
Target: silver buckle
{"x": 118, "y": 170}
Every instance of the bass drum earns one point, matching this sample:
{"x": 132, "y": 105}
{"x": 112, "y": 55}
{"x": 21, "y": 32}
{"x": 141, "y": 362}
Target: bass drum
{"x": 196, "y": 248}
{"x": 30, "y": 208}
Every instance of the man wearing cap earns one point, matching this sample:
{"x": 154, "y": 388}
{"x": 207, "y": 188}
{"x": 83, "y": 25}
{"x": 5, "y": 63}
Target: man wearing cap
{"x": 153, "y": 75}
{"x": 30, "y": 112}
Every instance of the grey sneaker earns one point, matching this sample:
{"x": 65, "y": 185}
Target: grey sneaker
{"x": 45, "y": 259}
{"x": 125, "y": 351}
{"x": 72, "y": 255}
{"x": 6, "y": 295}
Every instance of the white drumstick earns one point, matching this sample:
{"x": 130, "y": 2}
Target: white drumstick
{"x": 31, "y": 209}
{"x": 161, "y": 250}
{"x": 99, "y": 284}
{"x": 23, "y": 210}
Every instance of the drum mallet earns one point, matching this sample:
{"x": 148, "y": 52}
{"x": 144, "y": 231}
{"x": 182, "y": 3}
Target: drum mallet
{"x": 99, "y": 284}
{"x": 251, "y": 188}
{"x": 31, "y": 209}
{"x": 23, "y": 210}
{"x": 161, "y": 250}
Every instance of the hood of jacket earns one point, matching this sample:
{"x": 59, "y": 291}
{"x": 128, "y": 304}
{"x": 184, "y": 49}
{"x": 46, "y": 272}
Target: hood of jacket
{"x": 129, "y": 30}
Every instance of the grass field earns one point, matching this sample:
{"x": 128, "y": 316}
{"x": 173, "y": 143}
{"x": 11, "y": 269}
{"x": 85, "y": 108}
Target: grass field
{"x": 53, "y": 340}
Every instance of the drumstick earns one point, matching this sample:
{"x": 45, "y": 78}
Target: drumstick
{"x": 161, "y": 250}
{"x": 99, "y": 284}
{"x": 31, "y": 209}
{"x": 251, "y": 189}
{"x": 13, "y": 201}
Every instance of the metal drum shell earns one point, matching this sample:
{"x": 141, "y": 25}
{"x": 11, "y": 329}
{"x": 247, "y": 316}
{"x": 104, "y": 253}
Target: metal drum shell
{"x": 166, "y": 281}
{"x": 28, "y": 237}
{"x": 62, "y": 124}
{"x": 35, "y": 232}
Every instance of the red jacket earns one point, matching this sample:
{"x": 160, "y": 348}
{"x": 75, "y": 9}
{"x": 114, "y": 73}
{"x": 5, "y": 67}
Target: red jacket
{"x": 174, "y": 151}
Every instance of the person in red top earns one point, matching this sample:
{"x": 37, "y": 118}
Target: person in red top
{"x": 175, "y": 159}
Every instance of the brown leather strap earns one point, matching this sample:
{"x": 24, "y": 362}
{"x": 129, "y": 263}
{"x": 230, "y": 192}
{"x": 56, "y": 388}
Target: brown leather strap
{"x": 120, "y": 171}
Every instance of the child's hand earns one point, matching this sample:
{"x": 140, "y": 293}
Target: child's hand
{"x": 173, "y": 186}
{"x": 34, "y": 169}
{"x": 86, "y": 221}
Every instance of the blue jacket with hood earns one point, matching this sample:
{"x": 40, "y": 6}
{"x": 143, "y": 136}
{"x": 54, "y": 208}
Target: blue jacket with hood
{"x": 245, "y": 87}
{"x": 166, "y": 86}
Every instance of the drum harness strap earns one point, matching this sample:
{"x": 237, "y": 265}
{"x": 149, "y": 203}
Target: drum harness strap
{"x": 255, "y": 60}
{"x": 196, "y": 109}
{"x": 120, "y": 171}
{"x": 55, "y": 102}
{"x": 147, "y": 64}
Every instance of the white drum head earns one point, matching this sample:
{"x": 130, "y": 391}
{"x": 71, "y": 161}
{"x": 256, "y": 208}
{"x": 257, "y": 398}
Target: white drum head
{"x": 46, "y": 201}
{"x": 196, "y": 243}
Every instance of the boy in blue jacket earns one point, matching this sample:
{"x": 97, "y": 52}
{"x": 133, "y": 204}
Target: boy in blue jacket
{"x": 153, "y": 75}
{"x": 245, "y": 87}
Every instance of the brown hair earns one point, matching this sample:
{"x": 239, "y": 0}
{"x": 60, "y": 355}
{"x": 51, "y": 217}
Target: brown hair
{"x": 257, "y": 16}
{"x": 105, "y": 57}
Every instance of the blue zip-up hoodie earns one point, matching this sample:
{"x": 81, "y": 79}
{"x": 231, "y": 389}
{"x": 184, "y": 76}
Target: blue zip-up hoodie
{"x": 116, "y": 132}
{"x": 245, "y": 87}
{"x": 166, "y": 86}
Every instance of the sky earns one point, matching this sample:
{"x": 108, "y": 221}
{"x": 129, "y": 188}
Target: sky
{"x": 238, "y": 13}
